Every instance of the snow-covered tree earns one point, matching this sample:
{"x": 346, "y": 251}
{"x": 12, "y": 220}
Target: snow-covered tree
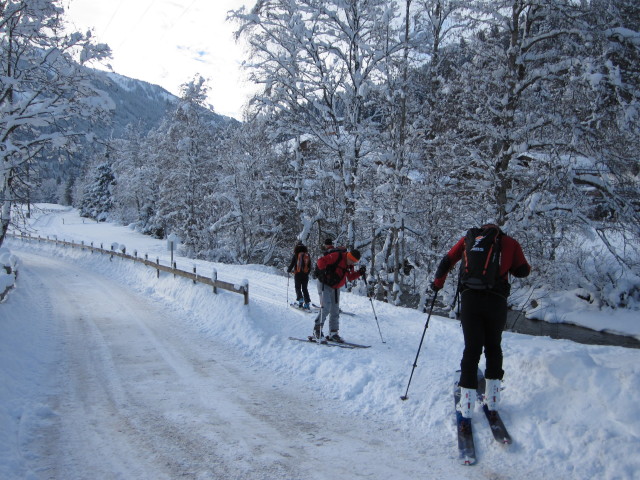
{"x": 318, "y": 63}
{"x": 185, "y": 162}
{"x": 252, "y": 208}
{"x": 609, "y": 108}
{"x": 408, "y": 106}
{"x": 135, "y": 168}
{"x": 42, "y": 87}
{"x": 534, "y": 123}
{"x": 97, "y": 199}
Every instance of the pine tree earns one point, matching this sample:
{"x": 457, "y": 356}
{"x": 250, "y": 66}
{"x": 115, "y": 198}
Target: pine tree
{"x": 97, "y": 200}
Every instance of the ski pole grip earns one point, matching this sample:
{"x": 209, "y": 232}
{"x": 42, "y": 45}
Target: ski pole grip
{"x": 424, "y": 309}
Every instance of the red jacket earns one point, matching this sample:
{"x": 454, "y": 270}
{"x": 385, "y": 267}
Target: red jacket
{"x": 512, "y": 261}
{"x": 342, "y": 269}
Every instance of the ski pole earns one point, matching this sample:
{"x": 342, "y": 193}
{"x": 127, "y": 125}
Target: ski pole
{"x": 456, "y": 299}
{"x": 520, "y": 310}
{"x": 415, "y": 362}
{"x": 374, "y": 310}
{"x": 318, "y": 321}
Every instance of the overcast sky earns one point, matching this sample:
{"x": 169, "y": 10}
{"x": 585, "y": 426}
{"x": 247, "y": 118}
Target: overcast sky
{"x": 167, "y": 42}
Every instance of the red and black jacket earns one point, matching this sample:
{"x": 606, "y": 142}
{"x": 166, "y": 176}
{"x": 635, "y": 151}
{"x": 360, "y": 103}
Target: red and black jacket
{"x": 342, "y": 269}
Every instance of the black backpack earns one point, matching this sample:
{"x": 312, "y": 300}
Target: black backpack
{"x": 328, "y": 275}
{"x": 480, "y": 266}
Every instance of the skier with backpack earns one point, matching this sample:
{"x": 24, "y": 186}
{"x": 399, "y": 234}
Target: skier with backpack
{"x": 301, "y": 266}
{"x": 332, "y": 271}
{"x": 488, "y": 256}
{"x": 326, "y": 247}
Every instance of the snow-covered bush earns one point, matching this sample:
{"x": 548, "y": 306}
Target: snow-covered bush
{"x": 8, "y": 270}
{"x": 607, "y": 283}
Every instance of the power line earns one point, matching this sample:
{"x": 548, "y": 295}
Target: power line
{"x": 183, "y": 12}
{"x": 113, "y": 15}
{"x": 137, "y": 23}
{"x": 175, "y": 22}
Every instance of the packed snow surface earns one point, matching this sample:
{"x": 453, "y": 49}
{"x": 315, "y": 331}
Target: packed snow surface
{"x": 107, "y": 371}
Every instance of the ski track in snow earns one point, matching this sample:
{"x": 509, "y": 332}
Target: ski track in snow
{"x": 140, "y": 397}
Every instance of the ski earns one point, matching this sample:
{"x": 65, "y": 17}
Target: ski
{"x": 349, "y": 344}
{"x": 302, "y": 310}
{"x": 466, "y": 447}
{"x": 326, "y": 344}
{"x": 499, "y": 431}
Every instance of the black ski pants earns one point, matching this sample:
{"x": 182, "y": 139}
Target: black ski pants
{"x": 301, "y": 281}
{"x": 483, "y": 315}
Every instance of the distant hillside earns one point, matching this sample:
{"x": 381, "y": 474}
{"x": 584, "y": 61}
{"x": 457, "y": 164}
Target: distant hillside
{"x": 138, "y": 102}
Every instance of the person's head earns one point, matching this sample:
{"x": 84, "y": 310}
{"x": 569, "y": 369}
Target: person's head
{"x": 490, "y": 223}
{"x": 353, "y": 257}
{"x": 327, "y": 244}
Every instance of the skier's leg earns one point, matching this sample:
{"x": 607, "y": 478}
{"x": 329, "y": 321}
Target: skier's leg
{"x": 494, "y": 321}
{"x": 334, "y": 320}
{"x": 298, "y": 287}
{"x": 473, "y": 333}
{"x": 304, "y": 285}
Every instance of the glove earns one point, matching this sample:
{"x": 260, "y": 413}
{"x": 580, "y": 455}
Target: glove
{"x": 434, "y": 287}
{"x": 363, "y": 270}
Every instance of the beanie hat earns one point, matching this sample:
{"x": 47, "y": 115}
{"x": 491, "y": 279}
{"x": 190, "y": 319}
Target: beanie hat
{"x": 328, "y": 241}
{"x": 354, "y": 255}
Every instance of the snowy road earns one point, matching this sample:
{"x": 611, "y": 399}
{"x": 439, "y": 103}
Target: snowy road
{"x": 136, "y": 395}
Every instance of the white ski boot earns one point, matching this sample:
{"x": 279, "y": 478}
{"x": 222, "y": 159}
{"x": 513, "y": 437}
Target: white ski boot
{"x": 467, "y": 402}
{"x": 492, "y": 394}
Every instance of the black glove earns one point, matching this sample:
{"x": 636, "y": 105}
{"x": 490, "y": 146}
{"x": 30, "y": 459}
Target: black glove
{"x": 434, "y": 287}
{"x": 363, "y": 270}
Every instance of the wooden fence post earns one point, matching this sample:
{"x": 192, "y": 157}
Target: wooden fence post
{"x": 245, "y": 291}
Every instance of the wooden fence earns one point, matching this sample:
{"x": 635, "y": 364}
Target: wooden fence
{"x": 193, "y": 275}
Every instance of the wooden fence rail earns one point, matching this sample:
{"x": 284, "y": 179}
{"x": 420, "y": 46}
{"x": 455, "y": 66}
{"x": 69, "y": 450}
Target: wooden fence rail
{"x": 194, "y": 276}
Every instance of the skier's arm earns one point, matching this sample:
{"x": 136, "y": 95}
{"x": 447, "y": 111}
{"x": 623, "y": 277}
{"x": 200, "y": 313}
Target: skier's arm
{"x": 353, "y": 274}
{"x": 448, "y": 262}
{"x": 292, "y": 264}
{"x": 519, "y": 266}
